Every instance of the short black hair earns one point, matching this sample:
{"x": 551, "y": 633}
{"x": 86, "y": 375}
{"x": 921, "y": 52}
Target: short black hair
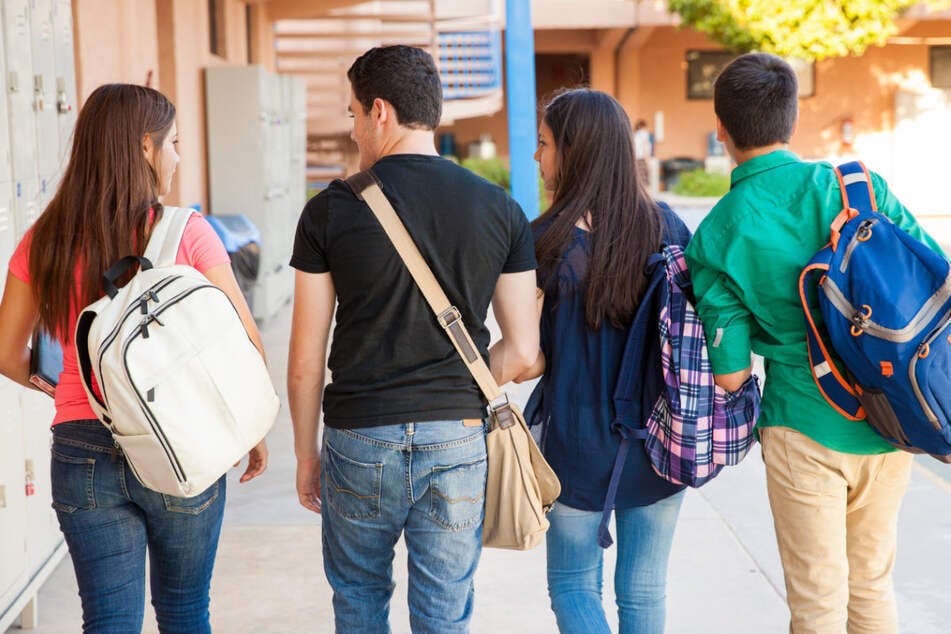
{"x": 756, "y": 98}
{"x": 406, "y": 77}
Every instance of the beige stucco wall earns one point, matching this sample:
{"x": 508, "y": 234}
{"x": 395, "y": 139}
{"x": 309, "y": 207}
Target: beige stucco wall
{"x": 651, "y": 78}
{"x": 126, "y": 40}
{"x": 123, "y": 40}
{"x": 115, "y": 41}
{"x": 862, "y": 88}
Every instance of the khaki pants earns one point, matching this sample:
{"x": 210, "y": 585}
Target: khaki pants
{"x": 836, "y": 518}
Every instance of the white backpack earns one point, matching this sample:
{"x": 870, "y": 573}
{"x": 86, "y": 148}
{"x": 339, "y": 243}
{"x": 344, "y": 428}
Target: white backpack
{"x": 184, "y": 391}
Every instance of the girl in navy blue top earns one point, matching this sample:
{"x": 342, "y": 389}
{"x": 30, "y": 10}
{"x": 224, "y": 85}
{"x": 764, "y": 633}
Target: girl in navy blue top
{"x": 592, "y": 246}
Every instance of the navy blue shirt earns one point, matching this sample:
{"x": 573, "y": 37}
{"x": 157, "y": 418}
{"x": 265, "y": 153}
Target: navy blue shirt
{"x": 575, "y": 396}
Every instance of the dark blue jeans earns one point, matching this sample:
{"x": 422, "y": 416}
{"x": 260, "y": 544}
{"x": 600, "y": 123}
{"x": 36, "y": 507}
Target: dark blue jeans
{"x": 110, "y": 521}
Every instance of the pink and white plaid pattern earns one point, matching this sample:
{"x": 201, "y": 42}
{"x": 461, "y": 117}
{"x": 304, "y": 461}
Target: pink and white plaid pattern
{"x": 695, "y": 427}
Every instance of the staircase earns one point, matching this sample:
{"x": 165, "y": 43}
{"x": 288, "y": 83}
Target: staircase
{"x": 462, "y": 35}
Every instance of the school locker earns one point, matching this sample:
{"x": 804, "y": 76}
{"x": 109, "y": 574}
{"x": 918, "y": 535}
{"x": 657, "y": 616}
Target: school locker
{"x": 252, "y": 142}
{"x": 18, "y": 57}
{"x": 36, "y": 50}
{"x": 12, "y": 492}
{"x": 44, "y": 91}
{"x": 36, "y": 414}
{"x": 66, "y": 107}
{"x": 7, "y": 231}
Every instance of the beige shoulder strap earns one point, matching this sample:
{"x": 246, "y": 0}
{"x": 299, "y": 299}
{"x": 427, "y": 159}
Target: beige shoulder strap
{"x": 365, "y": 185}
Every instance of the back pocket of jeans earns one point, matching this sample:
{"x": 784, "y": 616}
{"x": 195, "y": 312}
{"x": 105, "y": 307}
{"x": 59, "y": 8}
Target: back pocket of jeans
{"x": 353, "y": 488}
{"x": 197, "y": 504}
{"x": 72, "y": 482}
{"x": 457, "y": 494}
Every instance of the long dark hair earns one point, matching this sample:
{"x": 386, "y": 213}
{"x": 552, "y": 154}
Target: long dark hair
{"x": 101, "y": 209}
{"x": 596, "y": 175}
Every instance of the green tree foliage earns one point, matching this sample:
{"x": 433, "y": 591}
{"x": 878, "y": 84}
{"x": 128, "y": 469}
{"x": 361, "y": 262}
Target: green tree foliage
{"x": 805, "y": 29}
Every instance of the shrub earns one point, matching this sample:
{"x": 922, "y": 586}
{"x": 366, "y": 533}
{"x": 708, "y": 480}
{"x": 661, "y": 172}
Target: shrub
{"x": 497, "y": 171}
{"x": 701, "y": 183}
{"x": 493, "y": 169}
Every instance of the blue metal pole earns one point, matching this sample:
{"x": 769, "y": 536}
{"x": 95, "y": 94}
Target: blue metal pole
{"x": 520, "y": 100}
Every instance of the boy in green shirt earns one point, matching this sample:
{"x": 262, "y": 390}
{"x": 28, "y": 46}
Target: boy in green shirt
{"x": 834, "y": 486}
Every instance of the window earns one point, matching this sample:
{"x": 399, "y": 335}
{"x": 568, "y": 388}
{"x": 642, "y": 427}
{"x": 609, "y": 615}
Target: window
{"x": 806, "y": 76}
{"x": 704, "y": 66}
{"x": 216, "y": 27}
{"x": 702, "y": 70}
{"x": 941, "y": 66}
{"x": 248, "y": 23}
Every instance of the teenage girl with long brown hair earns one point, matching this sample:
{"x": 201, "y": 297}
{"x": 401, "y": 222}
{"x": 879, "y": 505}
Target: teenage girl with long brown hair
{"x": 122, "y": 161}
{"x": 592, "y": 248}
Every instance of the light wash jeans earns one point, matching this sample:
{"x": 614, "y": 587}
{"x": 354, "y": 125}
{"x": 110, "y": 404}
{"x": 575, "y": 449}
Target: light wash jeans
{"x": 110, "y": 521}
{"x": 425, "y": 481}
{"x": 575, "y": 565}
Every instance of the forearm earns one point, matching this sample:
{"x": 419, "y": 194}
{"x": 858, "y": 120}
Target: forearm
{"x": 304, "y": 396}
{"x": 517, "y": 307}
{"x": 508, "y": 363}
{"x": 535, "y": 371}
{"x": 734, "y": 380}
{"x": 16, "y": 367}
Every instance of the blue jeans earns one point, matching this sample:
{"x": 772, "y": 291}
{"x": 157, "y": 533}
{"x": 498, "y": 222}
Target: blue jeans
{"x": 423, "y": 480}
{"x": 575, "y": 562}
{"x": 110, "y": 521}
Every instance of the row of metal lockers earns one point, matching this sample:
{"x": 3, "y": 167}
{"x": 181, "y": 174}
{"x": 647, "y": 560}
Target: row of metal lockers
{"x": 256, "y": 156}
{"x": 37, "y": 115}
{"x": 257, "y": 146}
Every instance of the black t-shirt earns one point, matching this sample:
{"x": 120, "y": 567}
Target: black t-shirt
{"x": 390, "y": 360}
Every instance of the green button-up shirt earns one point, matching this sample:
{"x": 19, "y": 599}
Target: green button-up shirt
{"x": 745, "y": 260}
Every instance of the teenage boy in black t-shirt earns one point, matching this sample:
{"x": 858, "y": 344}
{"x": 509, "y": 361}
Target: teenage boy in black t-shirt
{"x": 403, "y": 447}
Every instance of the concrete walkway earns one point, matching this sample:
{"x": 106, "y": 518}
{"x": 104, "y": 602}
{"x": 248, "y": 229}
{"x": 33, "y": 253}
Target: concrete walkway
{"x": 725, "y": 575}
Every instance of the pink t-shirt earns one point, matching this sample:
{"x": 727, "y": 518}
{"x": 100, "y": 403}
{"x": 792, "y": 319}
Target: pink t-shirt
{"x": 201, "y": 248}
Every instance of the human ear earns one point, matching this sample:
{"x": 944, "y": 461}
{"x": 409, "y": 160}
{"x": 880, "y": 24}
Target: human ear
{"x": 722, "y": 134}
{"x": 148, "y": 147}
{"x": 378, "y": 110}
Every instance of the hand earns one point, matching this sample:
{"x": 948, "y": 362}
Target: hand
{"x": 308, "y": 483}
{"x": 257, "y": 462}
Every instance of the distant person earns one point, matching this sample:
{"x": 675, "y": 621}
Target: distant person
{"x": 403, "y": 450}
{"x": 643, "y": 150}
{"x": 592, "y": 247}
{"x": 834, "y": 485}
{"x": 123, "y": 158}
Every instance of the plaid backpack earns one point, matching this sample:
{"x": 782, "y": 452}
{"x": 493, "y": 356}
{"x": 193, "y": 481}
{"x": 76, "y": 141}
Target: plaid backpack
{"x": 694, "y": 427}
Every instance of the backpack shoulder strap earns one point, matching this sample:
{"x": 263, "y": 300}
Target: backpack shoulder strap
{"x": 626, "y": 397}
{"x": 167, "y": 235}
{"x": 629, "y": 399}
{"x": 855, "y": 184}
{"x": 837, "y": 391}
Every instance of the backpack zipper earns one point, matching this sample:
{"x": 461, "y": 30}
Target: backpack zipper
{"x": 156, "y": 428}
{"x": 155, "y": 288}
{"x": 932, "y": 418}
{"x": 863, "y": 229}
{"x": 900, "y": 335}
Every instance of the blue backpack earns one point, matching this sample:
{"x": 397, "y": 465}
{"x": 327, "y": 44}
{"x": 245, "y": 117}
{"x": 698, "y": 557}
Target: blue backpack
{"x": 885, "y": 298}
